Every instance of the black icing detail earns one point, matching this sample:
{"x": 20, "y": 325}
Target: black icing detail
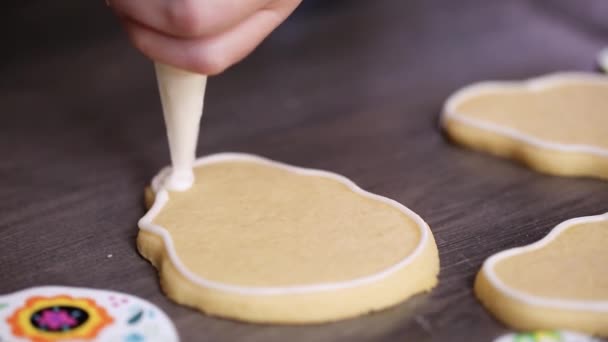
{"x": 59, "y": 318}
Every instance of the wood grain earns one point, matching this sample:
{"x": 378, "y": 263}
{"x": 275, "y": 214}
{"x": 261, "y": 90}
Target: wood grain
{"x": 354, "y": 87}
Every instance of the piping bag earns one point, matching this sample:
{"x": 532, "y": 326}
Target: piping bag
{"x": 182, "y": 94}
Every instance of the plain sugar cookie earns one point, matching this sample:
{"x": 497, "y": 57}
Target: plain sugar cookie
{"x": 559, "y": 282}
{"x": 555, "y": 124}
{"x": 260, "y": 241}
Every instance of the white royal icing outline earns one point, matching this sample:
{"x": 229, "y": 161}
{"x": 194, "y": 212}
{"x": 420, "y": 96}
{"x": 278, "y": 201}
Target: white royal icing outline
{"x": 568, "y": 304}
{"x": 162, "y": 196}
{"x": 602, "y": 59}
{"x": 537, "y": 84}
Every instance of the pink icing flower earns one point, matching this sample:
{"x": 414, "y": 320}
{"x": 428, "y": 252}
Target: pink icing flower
{"x": 56, "y": 319}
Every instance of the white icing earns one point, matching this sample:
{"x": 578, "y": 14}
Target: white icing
{"x": 182, "y": 94}
{"x": 602, "y": 59}
{"x": 533, "y": 85}
{"x": 162, "y": 196}
{"x": 569, "y": 304}
{"x": 153, "y": 325}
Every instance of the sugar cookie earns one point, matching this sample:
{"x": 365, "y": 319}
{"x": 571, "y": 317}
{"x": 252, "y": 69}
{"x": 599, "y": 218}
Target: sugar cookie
{"x": 602, "y": 59}
{"x": 261, "y": 241}
{"x": 559, "y": 282}
{"x": 59, "y": 313}
{"x": 555, "y": 124}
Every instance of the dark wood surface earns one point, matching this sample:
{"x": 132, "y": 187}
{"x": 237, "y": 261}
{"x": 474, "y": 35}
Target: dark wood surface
{"x": 354, "y": 87}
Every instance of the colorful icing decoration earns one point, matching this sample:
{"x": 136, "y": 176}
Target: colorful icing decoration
{"x": 559, "y": 282}
{"x": 553, "y": 124}
{"x": 136, "y": 317}
{"x": 45, "y": 318}
{"x": 135, "y": 337}
{"x": 50, "y": 314}
{"x": 547, "y": 336}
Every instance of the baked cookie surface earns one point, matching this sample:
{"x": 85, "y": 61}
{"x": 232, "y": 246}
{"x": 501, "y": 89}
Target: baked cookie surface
{"x": 554, "y": 124}
{"x": 559, "y": 282}
{"x": 262, "y": 241}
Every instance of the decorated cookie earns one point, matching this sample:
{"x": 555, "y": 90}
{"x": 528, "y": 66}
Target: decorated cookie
{"x": 52, "y": 313}
{"x": 559, "y": 282}
{"x": 547, "y": 336}
{"x": 554, "y": 124}
{"x": 261, "y": 241}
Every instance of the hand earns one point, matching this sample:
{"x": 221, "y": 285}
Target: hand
{"x": 204, "y": 36}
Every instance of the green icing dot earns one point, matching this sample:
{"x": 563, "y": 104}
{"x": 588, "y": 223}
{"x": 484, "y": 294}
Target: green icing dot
{"x": 538, "y": 336}
{"x": 525, "y": 337}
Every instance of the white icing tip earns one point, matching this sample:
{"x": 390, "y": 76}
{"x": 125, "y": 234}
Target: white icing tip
{"x": 179, "y": 180}
{"x": 602, "y": 59}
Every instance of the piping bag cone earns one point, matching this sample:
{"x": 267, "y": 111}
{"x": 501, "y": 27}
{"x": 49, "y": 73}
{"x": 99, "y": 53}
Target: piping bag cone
{"x": 182, "y": 94}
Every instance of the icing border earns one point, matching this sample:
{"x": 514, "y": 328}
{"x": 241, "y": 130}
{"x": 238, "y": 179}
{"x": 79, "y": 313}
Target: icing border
{"x": 162, "y": 196}
{"x": 569, "y": 304}
{"x": 533, "y": 85}
{"x": 602, "y": 59}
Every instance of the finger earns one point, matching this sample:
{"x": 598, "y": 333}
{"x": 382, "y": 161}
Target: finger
{"x": 210, "y": 55}
{"x": 187, "y": 18}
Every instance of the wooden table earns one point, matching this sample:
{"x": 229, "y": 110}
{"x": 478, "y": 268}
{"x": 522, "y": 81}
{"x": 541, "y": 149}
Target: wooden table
{"x": 354, "y": 87}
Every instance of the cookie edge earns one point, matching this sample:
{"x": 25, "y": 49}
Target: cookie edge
{"x": 273, "y": 306}
{"x": 529, "y": 312}
{"x": 541, "y": 155}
